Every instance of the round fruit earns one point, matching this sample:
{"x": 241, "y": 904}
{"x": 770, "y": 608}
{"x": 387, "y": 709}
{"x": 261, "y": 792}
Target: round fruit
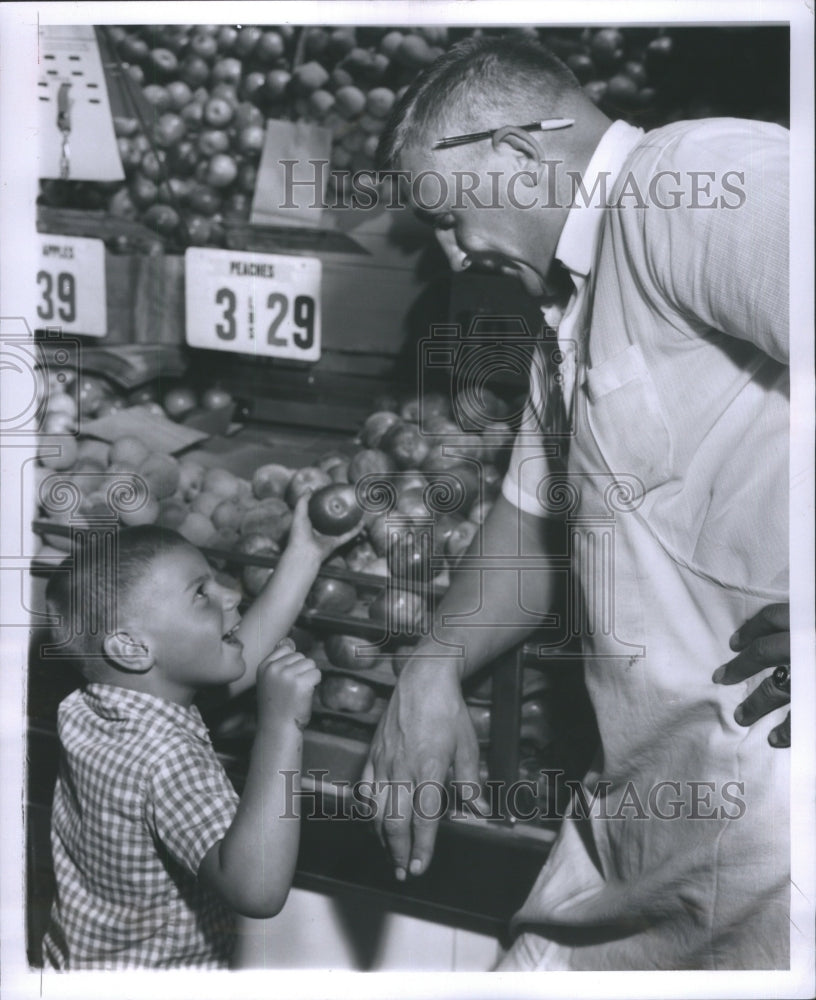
{"x": 369, "y": 461}
{"x": 67, "y": 450}
{"x": 227, "y": 515}
{"x": 409, "y": 559}
{"x": 398, "y": 610}
{"x": 334, "y": 510}
{"x": 331, "y": 597}
{"x": 346, "y": 651}
{"x": 197, "y": 528}
{"x": 270, "y": 517}
{"x": 172, "y": 513}
{"x": 406, "y": 445}
{"x": 271, "y": 480}
{"x": 162, "y": 474}
{"x": 346, "y": 694}
{"x": 191, "y": 479}
{"x": 146, "y": 514}
{"x": 305, "y": 480}
{"x": 179, "y": 401}
{"x": 215, "y": 398}
{"x": 376, "y": 426}
{"x": 221, "y": 170}
{"x": 128, "y": 451}
{"x": 222, "y": 482}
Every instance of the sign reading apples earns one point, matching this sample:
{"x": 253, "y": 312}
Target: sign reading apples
{"x": 248, "y": 303}
{"x": 71, "y": 285}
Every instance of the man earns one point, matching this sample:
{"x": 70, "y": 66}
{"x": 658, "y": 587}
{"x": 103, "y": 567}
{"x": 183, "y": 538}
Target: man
{"x": 675, "y": 377}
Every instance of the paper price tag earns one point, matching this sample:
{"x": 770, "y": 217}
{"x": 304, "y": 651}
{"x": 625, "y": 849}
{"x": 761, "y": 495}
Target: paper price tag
{"x": 246, "y": 303}
{"x": 71, "y": 285}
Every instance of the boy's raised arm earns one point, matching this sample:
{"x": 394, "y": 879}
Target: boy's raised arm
{"x": 272, "y": 614}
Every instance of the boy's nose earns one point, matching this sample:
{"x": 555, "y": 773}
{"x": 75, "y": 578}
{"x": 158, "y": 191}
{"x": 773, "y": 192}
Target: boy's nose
{"x": 230, "y": 599}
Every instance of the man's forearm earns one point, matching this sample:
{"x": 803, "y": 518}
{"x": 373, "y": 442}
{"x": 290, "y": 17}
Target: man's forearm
{"x": 488, "y": 610}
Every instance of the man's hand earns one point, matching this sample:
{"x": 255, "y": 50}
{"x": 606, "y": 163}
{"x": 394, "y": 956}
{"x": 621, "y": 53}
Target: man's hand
{"x": 424, "y": 730}
{"x": 761, "y": 643}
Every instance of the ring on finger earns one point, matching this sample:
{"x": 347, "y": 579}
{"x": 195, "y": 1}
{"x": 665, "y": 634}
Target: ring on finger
{"x": 781, "y": 678}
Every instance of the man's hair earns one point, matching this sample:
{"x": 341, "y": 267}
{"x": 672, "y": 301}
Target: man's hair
{"x": 88, "y": 594}
{"x": 482, "y": 83}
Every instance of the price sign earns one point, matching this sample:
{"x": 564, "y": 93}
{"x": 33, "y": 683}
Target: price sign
{"x": 247, "y": 303}
{"x": 71, "y": 285}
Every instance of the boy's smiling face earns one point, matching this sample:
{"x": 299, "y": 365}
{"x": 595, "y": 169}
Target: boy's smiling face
{"x": 186, "y": 620}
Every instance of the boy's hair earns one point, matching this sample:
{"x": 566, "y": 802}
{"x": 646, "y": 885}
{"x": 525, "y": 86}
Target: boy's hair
{"x": 482, "y": 82}
{"x": 90, "y": 588}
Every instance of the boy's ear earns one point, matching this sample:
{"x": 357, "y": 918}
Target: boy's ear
{"x": 128, "y": 653}
{"x": 521, "y": 142}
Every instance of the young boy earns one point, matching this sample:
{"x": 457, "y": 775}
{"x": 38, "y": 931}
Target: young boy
{"x": 152, "y": 848}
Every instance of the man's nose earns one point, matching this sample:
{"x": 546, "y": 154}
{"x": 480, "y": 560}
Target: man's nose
{"x": 457, "y": 258}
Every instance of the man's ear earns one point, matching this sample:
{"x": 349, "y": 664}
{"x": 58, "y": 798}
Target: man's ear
{"x": 519, "y": 141}
{"x": 128, "y": 653}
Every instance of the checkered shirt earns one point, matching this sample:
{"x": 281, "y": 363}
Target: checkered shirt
{"x": 140, "y": 799}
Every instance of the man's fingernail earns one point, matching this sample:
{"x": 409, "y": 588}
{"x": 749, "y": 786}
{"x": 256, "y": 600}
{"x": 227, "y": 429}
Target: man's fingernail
{"x": 415, "y": 868}
{"x": 733, "y": 642}
{"x": 739, "y": 716}
{"x": 718, "y": 675}
{"x": 399, "y": 874}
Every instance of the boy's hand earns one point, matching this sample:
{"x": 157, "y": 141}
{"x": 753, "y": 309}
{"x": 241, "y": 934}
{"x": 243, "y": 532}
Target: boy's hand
{"x": 304, "y": 537}
{"x": 286, "y": 682}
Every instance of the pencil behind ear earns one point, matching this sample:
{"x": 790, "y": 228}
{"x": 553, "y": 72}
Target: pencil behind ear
{"x": 127, "y": 653}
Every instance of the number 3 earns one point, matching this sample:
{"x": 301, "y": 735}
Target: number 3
{"x": 226, "y": 295}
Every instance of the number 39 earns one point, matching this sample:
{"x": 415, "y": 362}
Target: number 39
{"x": 66, "y": 296}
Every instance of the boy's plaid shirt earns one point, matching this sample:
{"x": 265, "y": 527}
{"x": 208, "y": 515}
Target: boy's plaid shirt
{"x": 140, "y": 799}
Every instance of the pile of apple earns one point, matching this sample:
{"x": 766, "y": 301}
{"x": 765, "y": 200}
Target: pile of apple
{"x": 211, "y": 88}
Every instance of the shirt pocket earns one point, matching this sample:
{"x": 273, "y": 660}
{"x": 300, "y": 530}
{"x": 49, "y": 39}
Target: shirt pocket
{"x": 626, "y": 419}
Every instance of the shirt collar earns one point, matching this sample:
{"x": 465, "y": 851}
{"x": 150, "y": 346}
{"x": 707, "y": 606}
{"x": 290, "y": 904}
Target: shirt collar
{"x": 576, "y": 245}
{"x": 116, "y": 703}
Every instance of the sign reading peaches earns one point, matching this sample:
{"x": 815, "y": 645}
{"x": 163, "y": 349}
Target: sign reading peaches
{"x": 247, "y": 303}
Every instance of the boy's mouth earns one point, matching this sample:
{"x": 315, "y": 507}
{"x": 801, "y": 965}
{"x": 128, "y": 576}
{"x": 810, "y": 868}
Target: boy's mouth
{"x": 230, "y": 638}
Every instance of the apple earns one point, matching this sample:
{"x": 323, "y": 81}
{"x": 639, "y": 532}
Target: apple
{"x": 146, "y": 514}
{"x": 134, "y": 49}
{"x": 537, "y": 723}
{"x": 254, "y": 544}
{"x": 595, "y": 90}
{"x": 309, "y": 76}
{"x": 179, "y": 401}
{"x": 128, "y": 154}
{"x": 218, "y": 112}
{"x": 411, "y": 502}
{"x": 227, "y": 71}
{"x": 377, "y": 528}
{"x": 172, "y": 513}
{"x": 277, "y": 83}
{"x": 215, "y": 398}
{"x": 143, "y": 191}
{"x": 331, "y": 460}
{"x": 398, "y": 610}
{"x": 158, "y": 96}
{"x": 305, "y": 480}
{"x": 204, "y": 200}
{"x": 375, "y": 426}
{"x": 346, "y": 694}
{"x": 212, "y": 141}
{"x": 222, "y": 483}
{"x": 161, "y": 473}
{"x": 221, "y": 171}
{"x": 334, "y": 510}
{"x": 409, "y": 559}
{"x": 204, "y": 45}
{"x": 247, "y": 39}
{"x": 370, "y": 461}
{"x": 406, "y": 445}
{"x": 331, "y": 597}
{"x": 89, "y": 392}
{"x": 180, "y": 94}
{"x": 270, "y": 517}
{"x": 163, "y": 218}
{"x": 227, "y": 515}
{"x": 622, "y": 90}
{"x": 270, "y": 46}
{"x": 194, "y": 70}
{"x": 359, "y": 558}
{"x": 607, "y": 46}
{"x": 342, "y": 651}
{"x": 251, "y": 139}
{"x": 271, "y": 480}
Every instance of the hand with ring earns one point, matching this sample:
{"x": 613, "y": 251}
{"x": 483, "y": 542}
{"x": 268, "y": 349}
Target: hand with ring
{"x": 763, "y": 642}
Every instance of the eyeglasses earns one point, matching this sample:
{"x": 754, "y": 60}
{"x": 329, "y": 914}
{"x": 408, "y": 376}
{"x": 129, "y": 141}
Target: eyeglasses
{"x": 547, "y": 125}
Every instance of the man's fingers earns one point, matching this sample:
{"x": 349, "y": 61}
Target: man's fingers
{"x": 773, "y": 618}
{"x": 781, "y": 736}
{"x": 397, "y": 802}
{"x": 763, "y": 652}
{"x": 466, "y": 755}
{"x": 765, "y": 698}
